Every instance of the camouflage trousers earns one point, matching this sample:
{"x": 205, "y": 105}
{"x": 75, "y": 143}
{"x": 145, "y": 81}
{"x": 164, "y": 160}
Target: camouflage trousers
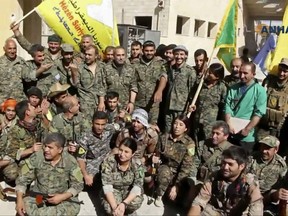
{"x": 165, "y": 177}
{"x": 169, "y": 118}
{"x": 119, "y": 197}
{"x": 64, "y": 208}
{"x": 10, "y": 172}
{"x": 88, "y": 110}
{"x": 153, "y": 112}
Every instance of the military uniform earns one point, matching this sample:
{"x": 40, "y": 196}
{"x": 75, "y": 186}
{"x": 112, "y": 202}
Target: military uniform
{"x": 94, "y": 149}
{"x": 119, "y": 79}
{"x": 9, "y": 172}
{"x": 65, "y": 126}
{"x": 11, "y": 81}
{"x": 43, "y": 81}
{"x": 277, "y": 107}
{"x": 26, "y": 45}
{"x": 148, "y": 75}
{"x": 210, "y": 157}
{"x": 180, "y": 83}
{"x": 231, "y": 80}
{"x": 19, "y": 139}
{"x": 146, "y": 144}
{"x": 177, "y": 162}
{"x": 65, "y": 176}
{"x": 209, "y": 105}
{"x": 122, "y": 183}
{"x": 65, "y": 75}
{"x": 89, "y": 87}
{"x": 218, "y": 197}
{"x": 267, "y": 173}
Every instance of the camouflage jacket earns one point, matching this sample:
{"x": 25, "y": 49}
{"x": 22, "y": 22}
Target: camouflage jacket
{"x": 230, "y": 80}
{"x": 124, "y": 182}
{"x": 147, "y": 77}
{"x": 179, "y": 156}
{"x": 20, "y": 138}
{"x": 11, "y": 81}
{"x": 65, "y": 176}
{"x": 4, "y": 133}
{"x": 44, "y": 81}
{"x": 210, "y": 155}
{"x": 94, "y": 149}
{"x": 122, "y": 81}
{"x": 63, "y": 125}
{"x": 146, "y": 144}
{"x": 26, "y": 45}
{"x": 209, "y": 102}
{"x": 180, "y": 83}
{"x": 89, "y": 85}
{"x": 241, "y": 197}
{"x": 269, "y": 173}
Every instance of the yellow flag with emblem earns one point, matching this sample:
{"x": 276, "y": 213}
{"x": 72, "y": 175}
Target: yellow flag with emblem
{"x": 71, "y": 19}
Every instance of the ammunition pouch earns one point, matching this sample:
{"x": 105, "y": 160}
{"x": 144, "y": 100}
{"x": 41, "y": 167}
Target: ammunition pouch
{"x": 277, "y": 108}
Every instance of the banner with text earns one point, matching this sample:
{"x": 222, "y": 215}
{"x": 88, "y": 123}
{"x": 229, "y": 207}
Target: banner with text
{"x": 71, "y": 19}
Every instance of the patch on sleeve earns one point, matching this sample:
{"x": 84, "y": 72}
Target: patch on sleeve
{"x": 81, "y": 151}
{"x": 141, "y": 171}
{"x": 191, "y": 151}
{"x": 77, "y": 174}
{"x": 25, "y": 169}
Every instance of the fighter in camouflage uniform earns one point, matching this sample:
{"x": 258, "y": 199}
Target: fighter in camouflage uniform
{"x": 11, "y": 67}
{"x": 58, "y": 181}
{"x": 122, "y": 179}
{"x": 229, "y": 191}
{"x": 177, "y": 155}
{"x": 23, "y": 139}
{"x": 267, "y": 165}
{"x": 148, "y": 72}
{"x": 145, "y": 136}
{"x": 94, "y": 146}
{"x": 71, "y": 120}
{"x": 274, "y": 122}
{"x": 209, "y": 152}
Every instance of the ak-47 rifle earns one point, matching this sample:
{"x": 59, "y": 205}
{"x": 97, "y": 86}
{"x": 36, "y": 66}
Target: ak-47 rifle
{"x": 39, "y": 135}
{"x": 41, "y": 198}
{"x": 153, "y": 168}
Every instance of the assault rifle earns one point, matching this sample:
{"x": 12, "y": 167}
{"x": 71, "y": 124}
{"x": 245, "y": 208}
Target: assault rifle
{"x": 41, "y": 199}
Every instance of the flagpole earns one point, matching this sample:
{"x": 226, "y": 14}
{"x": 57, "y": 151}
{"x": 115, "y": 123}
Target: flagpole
{"x": 113, "y": 29}
{"x": 200, "y": 84}
{"x": 26, "y": 15}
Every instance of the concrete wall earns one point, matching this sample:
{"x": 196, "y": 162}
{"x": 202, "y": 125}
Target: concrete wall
{"x": 165, "y": 20}
{"x": 30, "y": 27}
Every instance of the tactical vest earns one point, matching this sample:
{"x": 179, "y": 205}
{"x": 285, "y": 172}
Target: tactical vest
{"x": 277, "y": 107}
{"x": 235, "y": 196}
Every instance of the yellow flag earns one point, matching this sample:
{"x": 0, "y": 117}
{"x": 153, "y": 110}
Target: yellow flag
{"x": 281, "y": 50}
{"x": 71, "y": 19}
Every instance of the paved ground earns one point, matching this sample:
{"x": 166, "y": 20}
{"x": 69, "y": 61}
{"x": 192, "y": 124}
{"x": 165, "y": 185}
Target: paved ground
{"x": 8, "y": 208}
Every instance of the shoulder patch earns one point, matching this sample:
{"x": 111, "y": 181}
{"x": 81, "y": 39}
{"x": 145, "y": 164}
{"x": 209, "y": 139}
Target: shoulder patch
{"x": 81, "y": 151}
{"x": 77, "y": 174}
{"x": 191, "y": 150}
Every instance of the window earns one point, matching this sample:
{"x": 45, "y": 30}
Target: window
{"x": 212, "y": 30}
{"x": 182, "y": 25}
{"x": 199, "y": 28}
{"x": 144, "y": 21}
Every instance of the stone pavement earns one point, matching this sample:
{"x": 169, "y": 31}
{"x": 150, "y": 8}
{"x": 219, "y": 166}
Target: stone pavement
{"x": 8, "y": 207}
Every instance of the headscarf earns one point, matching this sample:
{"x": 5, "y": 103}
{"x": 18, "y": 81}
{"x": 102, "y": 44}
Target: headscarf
{"x": 10, "y": 102}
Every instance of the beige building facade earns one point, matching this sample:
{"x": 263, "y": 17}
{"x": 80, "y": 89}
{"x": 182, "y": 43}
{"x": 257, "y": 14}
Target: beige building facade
{"x": 192, "y": 23}
{"x": 188, "y": 22}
